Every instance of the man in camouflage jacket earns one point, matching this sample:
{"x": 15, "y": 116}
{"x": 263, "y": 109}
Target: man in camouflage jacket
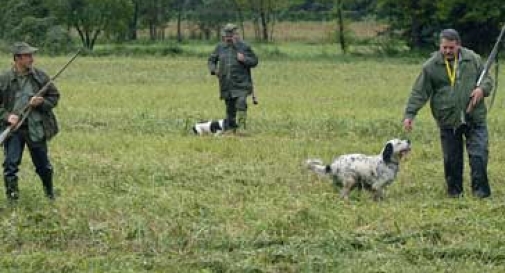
{"x": 232, "y": 61}
{"x": 448, "y": 81}
{"x": 18, "y": 87}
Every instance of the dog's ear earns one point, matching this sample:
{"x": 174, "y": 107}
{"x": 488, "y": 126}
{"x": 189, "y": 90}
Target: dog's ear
{"x": 194, "y": 130}
{"x": 387, "y": 153}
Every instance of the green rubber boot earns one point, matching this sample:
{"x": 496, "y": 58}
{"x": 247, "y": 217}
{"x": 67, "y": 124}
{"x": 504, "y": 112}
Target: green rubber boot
{"x": 242, "y": 120}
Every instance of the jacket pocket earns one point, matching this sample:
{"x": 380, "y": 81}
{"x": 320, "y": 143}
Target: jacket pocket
{"x": 50, "y": 125}
{"x": 444, "y": 114}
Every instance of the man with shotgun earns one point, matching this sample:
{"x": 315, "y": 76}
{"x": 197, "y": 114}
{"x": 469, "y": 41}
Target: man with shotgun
{"x": 455, "y": 81}
{"x": 19, "y": 97}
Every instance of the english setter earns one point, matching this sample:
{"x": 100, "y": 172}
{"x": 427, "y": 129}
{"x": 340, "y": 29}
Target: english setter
{"x": 370, "y": 172}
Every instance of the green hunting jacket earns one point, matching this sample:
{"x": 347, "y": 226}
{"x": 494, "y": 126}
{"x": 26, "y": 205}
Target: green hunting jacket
{"x": 448, "y": 104}
{"x": 234, "y": 76}
{"x": 42, "y": 123}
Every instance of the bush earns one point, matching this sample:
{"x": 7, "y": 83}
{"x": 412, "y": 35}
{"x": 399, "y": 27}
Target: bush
{"x": 42, "y": 33}
{"x": 389, "y": 45}
{"x": 57, "y": 41}
{"x": 31, "y": 30}
{"x": 138, "y": 50}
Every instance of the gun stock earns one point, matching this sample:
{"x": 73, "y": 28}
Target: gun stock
{"x": 5, "y": 134}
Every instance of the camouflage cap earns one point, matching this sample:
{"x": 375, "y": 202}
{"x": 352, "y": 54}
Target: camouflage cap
{"x": 229, "y": 29}
{"x": 23, "y": 48}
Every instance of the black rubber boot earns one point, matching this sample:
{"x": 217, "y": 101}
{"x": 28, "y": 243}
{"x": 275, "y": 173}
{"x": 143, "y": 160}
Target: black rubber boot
{"x": 47, "y": 183}
{"x": 11, "y": 188}
{"x": 480, "y": 187}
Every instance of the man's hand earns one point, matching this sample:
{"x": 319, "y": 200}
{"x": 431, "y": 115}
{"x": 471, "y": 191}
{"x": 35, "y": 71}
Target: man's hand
{"x": 240, "y": 57}
{"x": 475, "y": 97}
{"x": 13, "y": 119}
{"x": 408, "y": 124}
{"x": 36, "y": 101}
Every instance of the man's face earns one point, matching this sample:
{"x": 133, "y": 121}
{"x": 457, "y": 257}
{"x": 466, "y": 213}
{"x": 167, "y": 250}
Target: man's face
{"x": 25, "y": 61}
{"x": 228, "y": 39}
{"x": 449, "y": 48}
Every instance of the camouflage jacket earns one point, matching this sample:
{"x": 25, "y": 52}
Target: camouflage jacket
{"x": 12, "y": 103}
{"x": 448, "y": 103}
{"x": 234, "y": 76}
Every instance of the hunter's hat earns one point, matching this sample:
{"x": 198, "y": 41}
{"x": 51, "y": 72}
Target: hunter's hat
{"x": 23, "y": 48}
{"x": 229, "y": 29}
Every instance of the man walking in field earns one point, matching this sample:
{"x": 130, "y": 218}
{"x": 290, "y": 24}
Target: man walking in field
{"x": 18, "y": 87}
{"x": 232, "y": 61}
{"x": 448, "y": 80}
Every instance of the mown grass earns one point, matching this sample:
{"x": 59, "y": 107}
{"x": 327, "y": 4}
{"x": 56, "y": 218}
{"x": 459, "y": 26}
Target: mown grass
{"x": 139, "y": 193}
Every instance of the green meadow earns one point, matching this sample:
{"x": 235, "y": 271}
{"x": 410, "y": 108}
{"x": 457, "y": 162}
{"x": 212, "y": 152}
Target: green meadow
{"x": 138, "y": 192}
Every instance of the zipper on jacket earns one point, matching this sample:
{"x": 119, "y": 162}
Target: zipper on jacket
{"x": 228, "y": 64}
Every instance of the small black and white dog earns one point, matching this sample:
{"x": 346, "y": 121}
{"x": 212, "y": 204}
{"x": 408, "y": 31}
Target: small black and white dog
{"x": 214, "y": 127}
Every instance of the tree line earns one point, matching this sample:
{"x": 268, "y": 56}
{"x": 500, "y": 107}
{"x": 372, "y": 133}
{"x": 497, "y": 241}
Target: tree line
{"x": 50, "y": 23}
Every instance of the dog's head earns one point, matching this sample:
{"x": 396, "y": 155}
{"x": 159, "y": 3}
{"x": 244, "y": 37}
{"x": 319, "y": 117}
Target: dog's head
{"x": 217, "y": 126}
{"x": 395, "y": 150}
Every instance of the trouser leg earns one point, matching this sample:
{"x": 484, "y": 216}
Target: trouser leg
{"x": 477, "y": 148}
{"x": 231, "y": 114}
{"x": 452, "y": 148}
{"x": 13, "y": 153}
{"x": 43, "y": 167}
{"x": 241, "y": 106}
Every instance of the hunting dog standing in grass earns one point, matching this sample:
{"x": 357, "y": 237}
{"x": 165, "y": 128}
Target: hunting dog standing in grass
{"x": 211, "y": 127}
{"x": 370, "y": 172}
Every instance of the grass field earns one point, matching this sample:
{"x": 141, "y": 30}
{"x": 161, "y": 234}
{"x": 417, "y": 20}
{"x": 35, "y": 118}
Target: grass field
{"x": 139, "y": 193}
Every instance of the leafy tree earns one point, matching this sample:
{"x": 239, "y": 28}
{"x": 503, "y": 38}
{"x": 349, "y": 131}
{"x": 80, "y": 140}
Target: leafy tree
{"x": 31, "y": 21}
{"x": 418, "y": 21}
{"x": 155, "y": 14}
{"x": 339, "y": 7}
{"x": 478, "y": 22}
{"x": 13, "y": 12}
{"x": 90, "y": 18}
{"x": 133, "y": 24}
{"x": 30, "y": 29}
{"x": 414, "y": 20}
{"x": 264, "y": 14}
{"x": 211, "y": 15}
{"x": 179, "y": 7}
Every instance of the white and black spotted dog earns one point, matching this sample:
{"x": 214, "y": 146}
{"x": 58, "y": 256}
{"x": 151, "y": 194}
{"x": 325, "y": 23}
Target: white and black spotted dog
{"x": 370, "y": 172}
{"x": 213, "y": 127}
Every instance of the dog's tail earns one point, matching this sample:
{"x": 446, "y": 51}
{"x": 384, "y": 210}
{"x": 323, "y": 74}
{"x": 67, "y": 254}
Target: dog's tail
{"x": 317, "y": 166}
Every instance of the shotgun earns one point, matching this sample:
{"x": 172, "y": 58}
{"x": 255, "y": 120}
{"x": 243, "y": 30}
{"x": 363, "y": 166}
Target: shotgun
{"x": 487, "y": 66}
